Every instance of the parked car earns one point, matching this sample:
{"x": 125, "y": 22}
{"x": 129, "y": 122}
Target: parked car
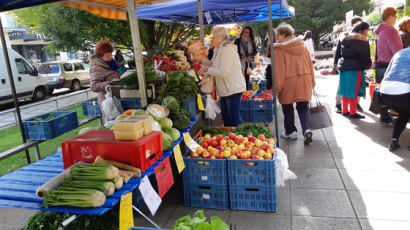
{"x": 65, "y": 74}
{"x": 28, "y": 83}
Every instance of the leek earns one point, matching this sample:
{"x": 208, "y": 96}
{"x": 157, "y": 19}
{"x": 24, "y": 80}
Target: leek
{"x": 107, "y": 187}
{"x": 98, "y": 171}
{"x": 74, "y": 197}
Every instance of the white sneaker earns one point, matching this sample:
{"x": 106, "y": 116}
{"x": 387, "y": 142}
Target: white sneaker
{"x": 293, "y": 135}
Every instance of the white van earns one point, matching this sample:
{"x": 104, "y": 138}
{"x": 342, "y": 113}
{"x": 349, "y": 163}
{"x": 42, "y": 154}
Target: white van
{"x": 26, "y": 79}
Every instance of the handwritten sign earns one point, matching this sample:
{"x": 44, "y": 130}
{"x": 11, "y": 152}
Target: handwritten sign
{"x": 151, "y": 198}
{"x": 126, "y": 217}
{"x": 178, "y": 158}
{"x": 192, "y": 145}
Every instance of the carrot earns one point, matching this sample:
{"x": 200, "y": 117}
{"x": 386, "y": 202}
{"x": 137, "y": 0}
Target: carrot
{"x": 128, "y": 112}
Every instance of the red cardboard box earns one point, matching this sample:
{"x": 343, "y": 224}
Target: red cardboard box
{"x": 141, "y": 153}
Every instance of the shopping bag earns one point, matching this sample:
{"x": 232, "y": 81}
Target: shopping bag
{"x": 211, "y": 108}
{"x": 111, "y": 105}
{"x": 376, "y": 103}
{"x": 319, "y": 118}
{"x": 207, "y": 84}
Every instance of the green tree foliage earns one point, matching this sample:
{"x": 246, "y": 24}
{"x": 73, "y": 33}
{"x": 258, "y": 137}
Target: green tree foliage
{"x": 260, "y": 29}
{"x": 319, "y": 16}
{"x": 73, "y": 29}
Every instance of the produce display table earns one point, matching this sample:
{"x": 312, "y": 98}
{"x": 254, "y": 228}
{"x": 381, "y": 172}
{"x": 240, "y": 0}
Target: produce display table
{"x": 18, "y": 188}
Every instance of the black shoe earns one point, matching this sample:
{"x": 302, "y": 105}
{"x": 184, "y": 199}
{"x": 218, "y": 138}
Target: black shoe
{"x": 339, "y": 108}
{"x": 359, "y": 108}
{"x": 356, "y": 116}
{"x": 346, "y": 114}
{"x": 308, "y": 137}
{"x": 386, "y": 124}
{"x": 394, "y": 144}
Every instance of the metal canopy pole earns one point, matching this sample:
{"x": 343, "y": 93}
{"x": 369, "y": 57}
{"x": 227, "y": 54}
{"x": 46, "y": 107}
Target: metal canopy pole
{"x": 13, "y": 88}
{"x": 201, "y": 21}
{"x": 281, "y": 19}
{"x": 136, "y": 44}
{"x": 272, "y": 60}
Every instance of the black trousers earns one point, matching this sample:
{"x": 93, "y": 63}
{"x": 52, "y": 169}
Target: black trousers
{"x": 384, "y": 110}
{"x": 401, "y": 104}
{"x": 289, "y": 116}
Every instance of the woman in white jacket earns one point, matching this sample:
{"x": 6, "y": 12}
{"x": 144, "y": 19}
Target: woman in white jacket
{"x": 307, "y": 39}
{"x": 225, "y": 66}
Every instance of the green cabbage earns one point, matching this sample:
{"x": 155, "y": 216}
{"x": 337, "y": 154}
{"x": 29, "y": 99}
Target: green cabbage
{"x": 165, "y": 123}
{"x": 170, "y": 103}
{"x": 166, "y": 141}
{"x": 173, "y": 133}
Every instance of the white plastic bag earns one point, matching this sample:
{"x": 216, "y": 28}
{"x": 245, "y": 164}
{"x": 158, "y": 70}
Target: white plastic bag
{"x": 111, "y": 105}
{"x": 160, "y": 74}
{"x": 211, "y": 108}
{"x": 282, "y": 168}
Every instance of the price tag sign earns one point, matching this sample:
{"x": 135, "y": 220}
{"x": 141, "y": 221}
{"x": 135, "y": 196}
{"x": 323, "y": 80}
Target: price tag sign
{"x": 151, "y": 197}
{"x": 192, "y": 145}
{"x": 126, "y": 217}
{"x": 200, "y": 102}
{"x": 178, "y": 158}
{"x": 255, "y": 86}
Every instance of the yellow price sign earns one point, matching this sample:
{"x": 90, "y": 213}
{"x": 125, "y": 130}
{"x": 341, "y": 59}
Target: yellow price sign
{"x": 178, "y": 158}
{"x": 126, "y": 216}
{"x": 200, "y": 102}
{"x": 187, "y": 138}
{"x": 255, "y": 86}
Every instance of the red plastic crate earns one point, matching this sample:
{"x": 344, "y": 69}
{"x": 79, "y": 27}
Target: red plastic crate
{"x": 141, "y": 153}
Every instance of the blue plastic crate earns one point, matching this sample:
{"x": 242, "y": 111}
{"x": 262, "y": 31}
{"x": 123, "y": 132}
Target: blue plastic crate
{"x": 206, "y": 196}
{"x": 263, "y": 85}
{"x": 252, "y": 172}
{"x": 131, "y": 103}
{"x": 63, "y": 122}
{"x": 261, "y": 111}
{"x": 191, "y": 105}
{"x": 91, "y": 108}
{"x": 205, "y": 171}
{"x": 253, "y": 198}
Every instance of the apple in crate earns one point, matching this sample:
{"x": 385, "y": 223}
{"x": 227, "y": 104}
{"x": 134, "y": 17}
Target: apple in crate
{"x": 232, "y": 136}
{"x": 204, "y": 145}
{"x": 245, "y": 141}
{"x": 261, "y": 137}
{"x": 254, "y": 157}
{"x": 227, "y": 153}
{"x": 258, "y": 143}
{"x": 265, "y": 145}
{"x": 221, "y": 148}
{"x": 206, "y": 154}
{"x": 223, "y": 142}
{"x": 231, "y": 143}
{"x": 199, "y": 150}
{"x": 261, "y": 153}
{"x": 215, "y": 144}
{"x": 255, "y": 150}
{"x": 268, "y": 156}
{"x": 233, "y": 157}
{"x": 219, "y": 137}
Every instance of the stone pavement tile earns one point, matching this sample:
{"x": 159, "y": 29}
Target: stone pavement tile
{"x": 381, "y": 205}
{"x": 283, "y": 200}
{"x": 297, "y": 146}
{"x": 321, "y": 202}
{"x": 376, "y": 180}
{"x": 181, "y": 211}
{"x": 14, "y": 218}
{"x": 313, "y": 160}
{"x": 357, "y": 147}
{"x": 246, "y": 220}
{"x": 161, "y": 217}
{"x": 374, "y": 162}
{"x": 371, "y": 224}
{"x": 324, "y": 223}
{"x": 317, "y": 178}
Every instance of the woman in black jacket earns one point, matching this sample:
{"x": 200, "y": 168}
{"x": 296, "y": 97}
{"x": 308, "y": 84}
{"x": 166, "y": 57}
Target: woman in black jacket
{"x": 355, "y": 52}
{"x": 246, "y": 50}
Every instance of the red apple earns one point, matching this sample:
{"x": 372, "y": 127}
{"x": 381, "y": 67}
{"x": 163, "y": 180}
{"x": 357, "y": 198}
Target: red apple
{"x": 199, "y": 150}
{"x": 270, "y": 150}
{"x": 233, "y": 157}
{"x": 249, "y": 136}
{"x": 268, "y": 156}
{"x": 219, "y": 156}
{"x": 206, "y": 154}
{"x": 261, "y": 137}
{"x": 245, "y": 141}
{"x": 231, "y": 143}
{"x": 214, "y": 138}
{"x": 204, "y": 145}
{"x": 212, "y": 157}
{"x": 209, "y": 141}
{"x": 254, "y": 157}
{"x": 194, "y": 155}
{"x": 221, "y": 148}
{"x": 209, "y": 147}
{"x": 252, "y": 139}
{"x": 271, "y": 146}
{"x": 271, "y": 141}
{"x": 207, "y": 136}
{"x": 227, "y": 154}
{"x": 215, "y": 144}
{"x": 223, "y": 142}
{"x": 258, "y": 143}
{"x": 261, "y": 153}
{"x": 232, "y": 136}
{"x": 255, "y": 150}
{"x": 219, "y": 137}
{"x": 238, "y": 139}
{"x": 265, "y": 145}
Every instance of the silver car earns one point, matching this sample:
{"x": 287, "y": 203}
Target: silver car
{"x": 65, "y": 74}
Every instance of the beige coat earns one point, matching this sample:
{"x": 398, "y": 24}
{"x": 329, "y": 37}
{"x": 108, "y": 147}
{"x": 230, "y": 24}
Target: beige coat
{"x": 225, "y": 66}
{"x": 294, "y": 74}
{"x": 100, "y": 76}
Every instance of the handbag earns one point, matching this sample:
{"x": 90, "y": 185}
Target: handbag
{"x": 207, "y": 84}
{"x": 376, "y": 103}
{"x": 319, "y": 117}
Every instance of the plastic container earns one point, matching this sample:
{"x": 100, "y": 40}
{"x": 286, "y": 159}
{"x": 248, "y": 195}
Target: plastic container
{"x": 252, "y": 172}
{"x": 129, "y": 136}
{"x": 191, "y": 105}
{"x": 141, "y": 153}
{"x": 127, "y": 126}
{"x": 63, "y": 122}
{"x": 205, "y": 171}
{"x": 206, "y": 196}
{"x": 131, "y": 103}
{"x": 91, "y": 108}
{"x": 253, "y": 198}
{"x": 146, "y": 122}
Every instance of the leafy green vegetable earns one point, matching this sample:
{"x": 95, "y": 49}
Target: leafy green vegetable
{"x": 170, "y": 103}
{"x": 244, "y": 129}
{"x": 131, "y": 80}
{"x": 198, "y": 222}
{"x": 180, "y": 118}
{"x": 180, "y": 85}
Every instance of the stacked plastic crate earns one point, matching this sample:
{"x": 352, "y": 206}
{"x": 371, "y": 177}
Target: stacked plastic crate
{"x": 245, "y": 105}
{"x": 261, "y": 106}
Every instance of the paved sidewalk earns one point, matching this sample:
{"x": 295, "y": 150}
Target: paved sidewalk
{"x": 347, "y": 180}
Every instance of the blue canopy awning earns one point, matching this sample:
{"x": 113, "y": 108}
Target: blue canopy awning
{"x": 6, "y": 5}
{"x": 215, "y": 11}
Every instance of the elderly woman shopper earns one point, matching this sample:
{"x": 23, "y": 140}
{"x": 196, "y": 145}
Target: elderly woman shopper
{"x": 404, "y": 31}
{"x": 225, "y": 66}
{"x": 103, "y": 69}
{"x": 395, "y": 91}
{"x": 294, "y": 81}
{"x": 355, "y": 53}
{"x": 246, "y": 50}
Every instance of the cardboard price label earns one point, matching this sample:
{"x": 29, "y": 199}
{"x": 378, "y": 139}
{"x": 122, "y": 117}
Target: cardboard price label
{"x": 200, "y": 102}
{"x": 164, "y": 176}
{"x": 255, "y": 86}
{"x": 126, "y": 216}
{"x": 178, "y": 158}
{"x": 192, "y": 145}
